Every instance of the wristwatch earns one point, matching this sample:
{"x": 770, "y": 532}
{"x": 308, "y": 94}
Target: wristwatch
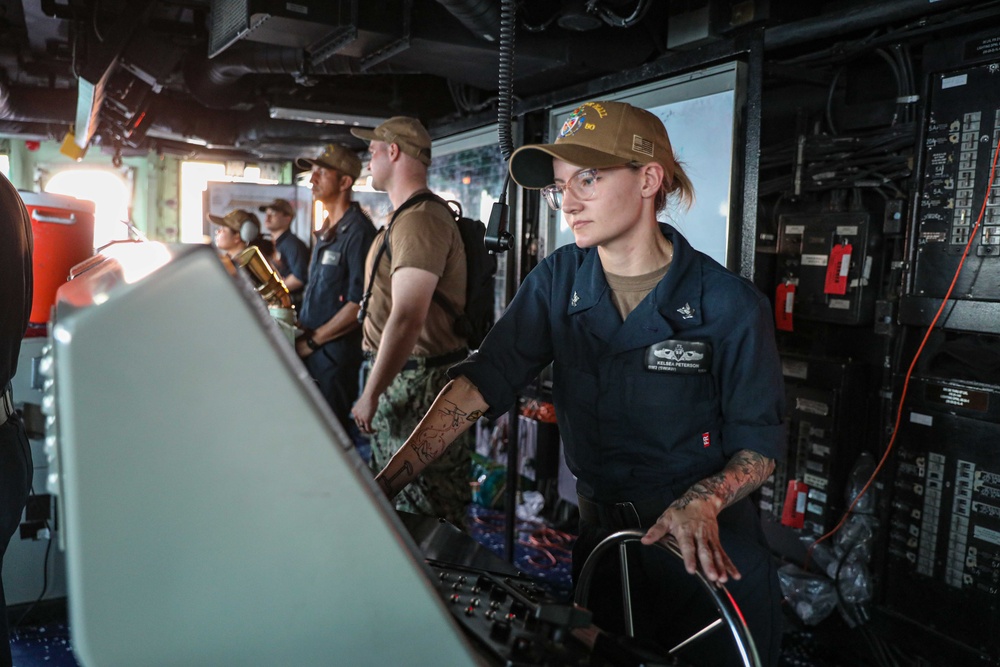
{"x": 313, "y": 345}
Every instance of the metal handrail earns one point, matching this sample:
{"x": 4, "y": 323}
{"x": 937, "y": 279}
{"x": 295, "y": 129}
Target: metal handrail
{"x": 728, "y": 609}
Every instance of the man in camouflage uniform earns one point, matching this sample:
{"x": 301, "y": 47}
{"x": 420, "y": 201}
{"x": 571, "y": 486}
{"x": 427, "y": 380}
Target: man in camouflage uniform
{"x": 408, "y": 336}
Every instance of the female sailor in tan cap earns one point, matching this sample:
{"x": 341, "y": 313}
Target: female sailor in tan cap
{"x": 666, "y": 383}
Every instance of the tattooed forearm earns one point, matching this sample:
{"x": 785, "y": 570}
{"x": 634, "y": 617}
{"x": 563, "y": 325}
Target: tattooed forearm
{"x": 386, "y": 487}
{"x": 749, "y": 470}
{"x": 454, "y": 413}
{"x": 452, "y": 409}
{"x": 743, "y": 474}
{"x": 387, "y": 484}
{"x": 428, "y": 444}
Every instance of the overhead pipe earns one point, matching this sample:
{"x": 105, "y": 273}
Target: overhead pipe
{"x": 49, "y": 113}
{"x": 853, "y": 19}
{"x": 218, "y": 82}
{"x": 481, "y": 17}
{"x": 37, "y": 105}
{"x": 38, "y": 131}
{"x": 241, "y": 129}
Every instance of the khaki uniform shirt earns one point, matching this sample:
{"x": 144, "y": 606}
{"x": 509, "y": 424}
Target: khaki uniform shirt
{"x": 424, "y": 236}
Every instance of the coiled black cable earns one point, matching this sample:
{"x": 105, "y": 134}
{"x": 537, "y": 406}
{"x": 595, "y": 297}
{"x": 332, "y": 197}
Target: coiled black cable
{"x": 505, "y": 103}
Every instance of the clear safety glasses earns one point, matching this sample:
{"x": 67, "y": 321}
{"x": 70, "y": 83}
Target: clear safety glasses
{"x": 583, "y": 185}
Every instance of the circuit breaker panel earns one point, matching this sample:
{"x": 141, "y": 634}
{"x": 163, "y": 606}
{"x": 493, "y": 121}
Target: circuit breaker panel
{"x": 828, "y": 256}
{"x": 961, "y": 140}
{"x": 825, "y": 416}
{"x": 943, "y": 555}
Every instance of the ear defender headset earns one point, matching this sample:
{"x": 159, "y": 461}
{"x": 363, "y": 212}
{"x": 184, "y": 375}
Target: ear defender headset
{"x": 250, "y": 229}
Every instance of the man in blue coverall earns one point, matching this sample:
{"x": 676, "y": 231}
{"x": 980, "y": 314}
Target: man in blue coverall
{"x": 667, "y": 384}
{"x": 292, "y": 253}
{"x": 331, "y": 343}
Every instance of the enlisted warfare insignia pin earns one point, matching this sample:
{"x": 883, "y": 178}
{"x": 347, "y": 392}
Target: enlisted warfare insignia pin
{"x": 687, "y": 312}
{"x": 679, "y": 356}
{"x": 575, "y": 300}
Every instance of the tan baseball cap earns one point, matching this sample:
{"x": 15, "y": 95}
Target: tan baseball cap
{"x": 596, "y": 135}
{"x": 335, "y": 156}
{"x": 234, "y": 219}
{"x": 407, "y": 133}
{"x": 280, "y": 205}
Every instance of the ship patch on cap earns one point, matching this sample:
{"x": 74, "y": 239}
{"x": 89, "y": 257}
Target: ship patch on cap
{"x": 578, "y": 119}
{"x": 573, "y": 123}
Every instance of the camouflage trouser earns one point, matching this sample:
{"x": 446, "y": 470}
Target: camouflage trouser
{"x": 443, "y": 488}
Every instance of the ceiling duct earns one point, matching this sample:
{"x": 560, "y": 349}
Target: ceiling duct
{"x": 249, "y": 132}
{"x": 23, "y": 104}
{"x": 298, "y": 24}
{"x": 481, "y": 17}
{"x": 219, "y": 83}
{"x": 321, "y": 28}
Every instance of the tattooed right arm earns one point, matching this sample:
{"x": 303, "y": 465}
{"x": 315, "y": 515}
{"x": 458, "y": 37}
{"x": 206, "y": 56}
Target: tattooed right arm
{"x": 454, "y": 411}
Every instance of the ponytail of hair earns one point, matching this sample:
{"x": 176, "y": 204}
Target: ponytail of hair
{"x": 678, "y": 185}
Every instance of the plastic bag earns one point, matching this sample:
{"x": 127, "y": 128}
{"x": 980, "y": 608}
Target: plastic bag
{"x": 811, "y": 596}
{"x": 530, "y": 506}
{"x": 844, "y": 560}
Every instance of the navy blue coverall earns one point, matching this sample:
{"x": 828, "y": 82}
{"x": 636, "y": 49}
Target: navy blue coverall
{"x": 294, "y": 260}
{"x": 646, "y": 408}
{"x": 337, "y": 276}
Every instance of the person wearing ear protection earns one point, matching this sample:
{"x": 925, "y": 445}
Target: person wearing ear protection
{"x": 667, "y": 386}
{"x": 235, "y": 231}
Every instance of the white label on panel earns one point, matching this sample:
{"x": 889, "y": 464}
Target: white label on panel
{"x": 847, "y": 230}
{"x": 923, "y": 420}
{"x": 814, "y": 260}
{"x": 954, "y": 81}
{"x": 840, "y": 304}
{"x": 811, "y": 406}
{"x": 986, "y": 535}
{"x": 814, "y": 480}
{"x": 795, "y": 368}
{"x": 795, "y": 229}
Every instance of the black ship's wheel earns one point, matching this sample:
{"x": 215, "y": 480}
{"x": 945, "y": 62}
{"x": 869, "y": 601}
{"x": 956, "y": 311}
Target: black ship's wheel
{"x": 729, "y": 618}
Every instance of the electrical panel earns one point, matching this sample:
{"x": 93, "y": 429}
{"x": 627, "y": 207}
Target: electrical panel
{"x": 963, "y": 126}
{"x": 771, "y": 495}
{"x": 808, "y": 245}
{"x": 825, "y": 415}
{"x": 942, "y": 568}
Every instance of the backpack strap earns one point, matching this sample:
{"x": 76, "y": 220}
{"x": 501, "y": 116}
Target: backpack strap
{"x": 455, "y": 209}
{"x": 384, "y": 248}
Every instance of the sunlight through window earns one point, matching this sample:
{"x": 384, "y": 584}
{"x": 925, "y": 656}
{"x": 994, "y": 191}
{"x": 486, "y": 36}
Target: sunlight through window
{"x": 195, "y": 177}
{"x": 110, "y": 194}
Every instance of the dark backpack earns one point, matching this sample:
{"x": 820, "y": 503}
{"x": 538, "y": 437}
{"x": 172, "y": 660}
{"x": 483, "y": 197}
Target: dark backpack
{"x": 476, "y": 320}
